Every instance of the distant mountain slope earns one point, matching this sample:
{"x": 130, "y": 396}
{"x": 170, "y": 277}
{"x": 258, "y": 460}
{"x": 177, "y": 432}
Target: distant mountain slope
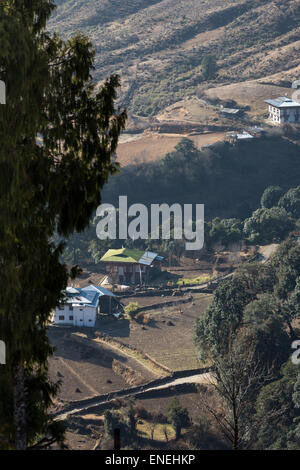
{"x": 84, "y": 13}
{"x": 157, "y": 46}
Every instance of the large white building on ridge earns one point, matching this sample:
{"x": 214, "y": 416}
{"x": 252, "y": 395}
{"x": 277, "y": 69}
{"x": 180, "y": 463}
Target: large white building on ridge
{"x": 283, "y": 110}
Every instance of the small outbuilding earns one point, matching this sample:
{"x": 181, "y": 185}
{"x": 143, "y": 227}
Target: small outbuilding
{"x": 231, "y": 112}
{"x": 236, "y": 136}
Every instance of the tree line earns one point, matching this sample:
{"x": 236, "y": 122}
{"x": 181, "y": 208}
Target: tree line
{"x": 247, "y": 334}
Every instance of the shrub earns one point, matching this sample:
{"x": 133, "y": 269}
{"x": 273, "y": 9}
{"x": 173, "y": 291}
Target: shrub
{"x": 271, "y": 197}
{"x": 142, "y": 413}
{"x": 146, "y": 320}
{"x": 131, "y": 309}
{"x": 178, "y": 417}
{"x": 291, "y": 202}
{"x": 268, "y": 225}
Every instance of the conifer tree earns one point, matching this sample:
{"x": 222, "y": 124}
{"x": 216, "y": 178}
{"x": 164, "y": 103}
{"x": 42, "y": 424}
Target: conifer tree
{"x": 58, "y": 133}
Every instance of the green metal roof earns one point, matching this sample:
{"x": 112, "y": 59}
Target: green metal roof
{"x": 123, "y": 255}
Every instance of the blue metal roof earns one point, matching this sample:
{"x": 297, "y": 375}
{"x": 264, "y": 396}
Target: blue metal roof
{"x": 101, "y": 290}
{"x": 148, "y": 258}
{"x": 88, "y": 295}
{"x": 283, "y": 102}
{"x": 92, "y": 297}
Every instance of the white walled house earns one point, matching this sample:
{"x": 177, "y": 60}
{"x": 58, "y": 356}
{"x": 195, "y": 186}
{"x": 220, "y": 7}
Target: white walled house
{"x": 80, "y": 306}
{"x": 75, "y": 315}
{"x": 283, "y": 110}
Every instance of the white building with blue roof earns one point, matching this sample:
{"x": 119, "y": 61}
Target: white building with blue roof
{"x": 283, "y": 110}
{"x": 80, "y": 306}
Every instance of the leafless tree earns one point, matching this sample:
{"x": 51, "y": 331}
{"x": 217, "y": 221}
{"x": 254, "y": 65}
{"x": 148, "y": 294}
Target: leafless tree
{"x": 166, "y": 433}
{"x": 152, "y": 426}
{"x": 236, "y": 378}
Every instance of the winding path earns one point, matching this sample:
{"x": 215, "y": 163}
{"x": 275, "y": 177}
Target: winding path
{"x": 83, "y": 405}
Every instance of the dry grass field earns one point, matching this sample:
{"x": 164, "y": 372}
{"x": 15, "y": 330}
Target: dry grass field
{"x": 146, "y": 148}
{"x": 250, "y": 93}
{"x": 153, "y": 146}
{"x": 86, "y": 368}
{"x": 169, "y": 336}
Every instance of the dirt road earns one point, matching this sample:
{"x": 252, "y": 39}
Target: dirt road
{"x": 83, "y": 405}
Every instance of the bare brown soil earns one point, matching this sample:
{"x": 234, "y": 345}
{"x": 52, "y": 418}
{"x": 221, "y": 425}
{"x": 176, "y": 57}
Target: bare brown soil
{"x": 168, "y": 338}
{"x": 145, "y": 301}
{"x": 154, "y": 146}
{"x": 250, "y": 93}
{"x": 86, "y": 369}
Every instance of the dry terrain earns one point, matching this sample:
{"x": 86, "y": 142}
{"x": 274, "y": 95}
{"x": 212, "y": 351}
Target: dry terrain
{"x": 168, "y": 338}
{"x": 157, "y": 46}
{"x": 153, "y": 146}
{"x": 250, "y": 94}
{"x": 85, "y": 432}
{"x": 87, "y": 367}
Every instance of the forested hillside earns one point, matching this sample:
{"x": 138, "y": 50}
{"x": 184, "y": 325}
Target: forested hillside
{"x": 158, "y": 46}
{"x": 228, "y": 179}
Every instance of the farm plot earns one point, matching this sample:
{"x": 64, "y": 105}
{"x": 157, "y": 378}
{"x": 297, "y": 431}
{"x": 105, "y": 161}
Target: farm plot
{"x": 167, "y": 337}
{"x": 86, "y": 369}
{"x": 152, "y": 146}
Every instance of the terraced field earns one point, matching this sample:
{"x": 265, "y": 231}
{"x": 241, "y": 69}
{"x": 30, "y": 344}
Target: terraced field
{"x": 169, "y": 338}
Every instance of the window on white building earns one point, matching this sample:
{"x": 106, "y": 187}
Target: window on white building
{"x": 61, "y": 317}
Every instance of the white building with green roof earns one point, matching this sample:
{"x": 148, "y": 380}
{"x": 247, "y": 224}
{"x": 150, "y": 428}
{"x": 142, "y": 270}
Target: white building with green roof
{"x": 126, "y": 266}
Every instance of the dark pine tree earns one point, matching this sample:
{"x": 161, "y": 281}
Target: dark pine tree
{"x": 58, "y": 133}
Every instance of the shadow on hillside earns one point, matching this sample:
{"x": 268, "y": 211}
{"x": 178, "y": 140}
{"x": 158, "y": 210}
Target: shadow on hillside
{"x": 71, "y": 349}
{"x": 109, "y": 325}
